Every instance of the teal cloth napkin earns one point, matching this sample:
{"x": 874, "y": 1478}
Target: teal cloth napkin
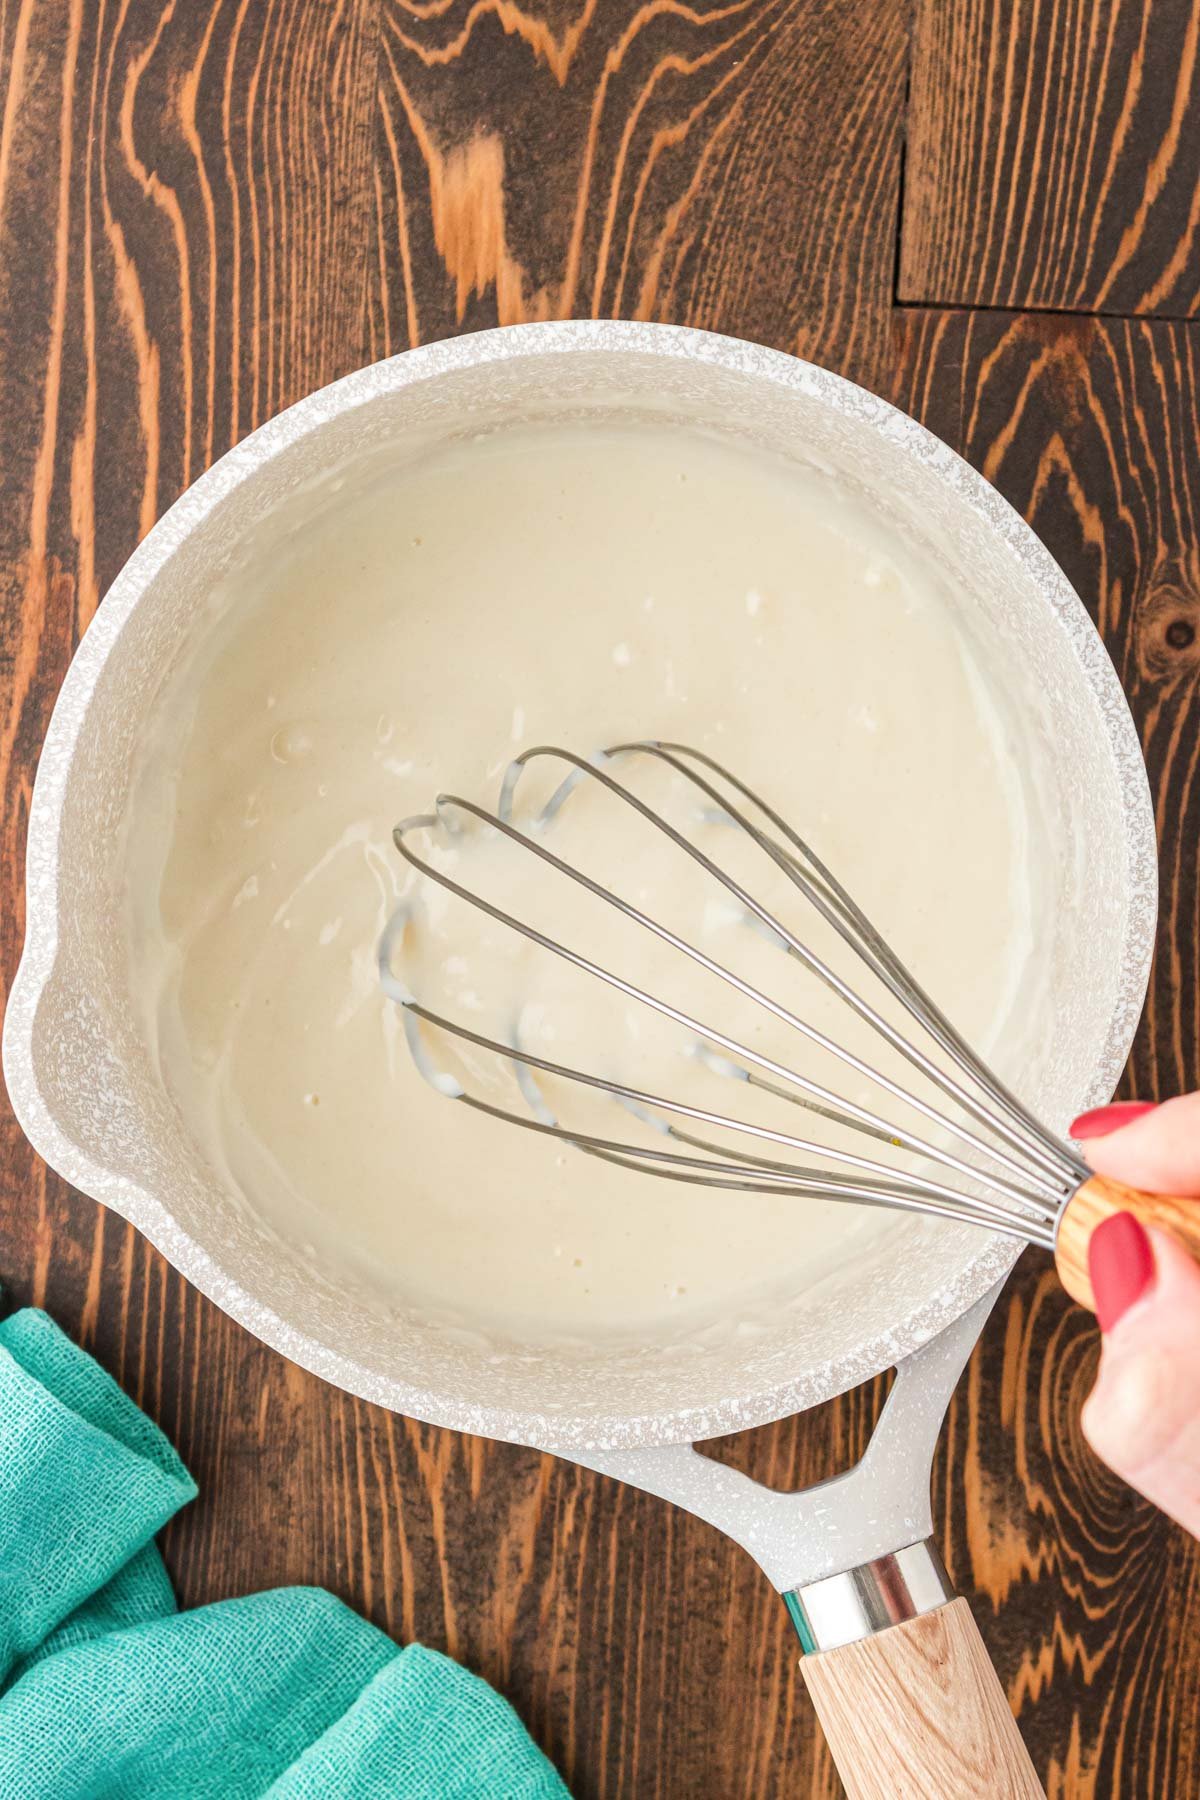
{"x": 107, "y": 1692}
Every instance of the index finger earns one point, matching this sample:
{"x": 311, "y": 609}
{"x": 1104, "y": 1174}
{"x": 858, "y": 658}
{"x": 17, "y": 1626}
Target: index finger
{"x": 1158, "y": 1152}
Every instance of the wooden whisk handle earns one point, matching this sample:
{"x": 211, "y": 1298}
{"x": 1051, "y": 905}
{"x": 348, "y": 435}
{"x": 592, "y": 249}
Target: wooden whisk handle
{"x": 1096, "y": 1201}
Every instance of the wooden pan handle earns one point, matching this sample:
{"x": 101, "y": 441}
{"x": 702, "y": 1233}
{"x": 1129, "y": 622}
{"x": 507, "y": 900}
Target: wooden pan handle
{"x": 1096, "y": 1200}
{"x": 917, "y": 1712}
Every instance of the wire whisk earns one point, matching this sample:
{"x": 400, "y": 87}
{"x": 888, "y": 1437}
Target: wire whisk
{"x": 959, "y": 1145}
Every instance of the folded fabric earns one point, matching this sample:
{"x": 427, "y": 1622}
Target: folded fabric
{"x": 107, "y": 1692}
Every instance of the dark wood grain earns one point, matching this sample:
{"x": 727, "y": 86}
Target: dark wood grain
{"x": 209, "y": 209}
{"x": 733, "y": 166}
{"x": 1053, "y": 151}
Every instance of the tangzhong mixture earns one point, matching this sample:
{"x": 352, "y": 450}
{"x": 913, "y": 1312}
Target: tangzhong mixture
{"x": 573, "y": 584}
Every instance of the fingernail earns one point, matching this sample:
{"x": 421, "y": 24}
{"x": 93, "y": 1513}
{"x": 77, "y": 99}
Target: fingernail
{"x": 1103, "y": 1119}
{"x": 1121, "y": 1265}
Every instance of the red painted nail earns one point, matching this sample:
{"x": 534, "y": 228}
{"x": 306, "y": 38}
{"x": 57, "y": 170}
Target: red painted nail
{"x": 1121, "y": 1265}
{"x": 1103, "y": 1119}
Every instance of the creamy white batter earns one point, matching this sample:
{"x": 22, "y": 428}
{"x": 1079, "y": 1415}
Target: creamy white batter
{"x": 573, "y": 584}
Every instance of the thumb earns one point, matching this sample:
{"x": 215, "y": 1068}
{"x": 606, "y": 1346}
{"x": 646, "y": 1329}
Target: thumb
{"x": 1143, "y": 1417}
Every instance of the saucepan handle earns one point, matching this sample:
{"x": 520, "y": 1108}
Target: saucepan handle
{"x": 917, "y": 1712}
{"x": 898, "y": 1673}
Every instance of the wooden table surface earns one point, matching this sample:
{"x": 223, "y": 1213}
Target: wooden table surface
{"x": 989, "y": 213}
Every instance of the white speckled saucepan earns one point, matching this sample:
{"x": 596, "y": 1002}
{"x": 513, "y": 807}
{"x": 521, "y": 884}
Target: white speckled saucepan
{"x": 87, "y": 1095}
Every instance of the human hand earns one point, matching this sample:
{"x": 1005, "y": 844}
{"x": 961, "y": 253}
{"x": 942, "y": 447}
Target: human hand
{"x": 1143, "y": 1416}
